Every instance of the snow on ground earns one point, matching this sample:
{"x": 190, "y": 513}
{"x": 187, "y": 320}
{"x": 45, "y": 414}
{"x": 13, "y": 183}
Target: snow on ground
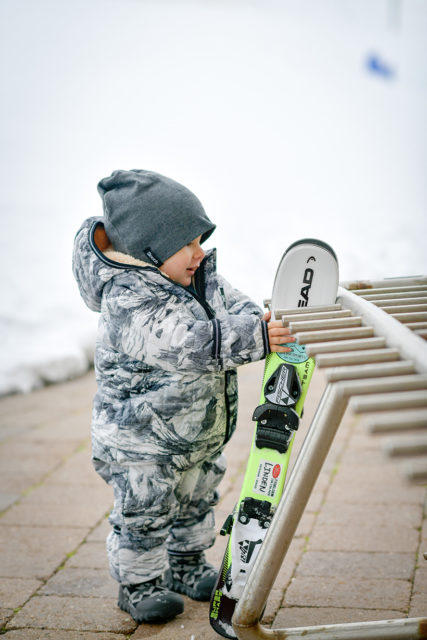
{"x": 287, "y": 119}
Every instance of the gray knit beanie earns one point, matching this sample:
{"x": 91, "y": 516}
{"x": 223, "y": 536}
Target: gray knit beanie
{"x": 149, "y": 216}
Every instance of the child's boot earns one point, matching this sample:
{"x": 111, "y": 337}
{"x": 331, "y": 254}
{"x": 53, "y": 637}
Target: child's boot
{"x": 189, "y": 573}
{"x": 150, "y": 601}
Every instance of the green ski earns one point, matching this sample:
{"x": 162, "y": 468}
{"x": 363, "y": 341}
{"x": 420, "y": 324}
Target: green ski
{"x": 307, "y": 276}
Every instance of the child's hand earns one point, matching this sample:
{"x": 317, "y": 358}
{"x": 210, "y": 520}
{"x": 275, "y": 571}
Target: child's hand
{"x": 277, "y": 334}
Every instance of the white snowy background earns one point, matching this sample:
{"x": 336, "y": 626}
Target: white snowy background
{"x": 288, "y": 118}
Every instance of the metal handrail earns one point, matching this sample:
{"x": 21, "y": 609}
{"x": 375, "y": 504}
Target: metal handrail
{"x": 391, "y": 365}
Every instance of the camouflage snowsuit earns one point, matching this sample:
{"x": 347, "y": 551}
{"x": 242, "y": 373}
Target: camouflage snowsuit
{"x": 167, "y": 398}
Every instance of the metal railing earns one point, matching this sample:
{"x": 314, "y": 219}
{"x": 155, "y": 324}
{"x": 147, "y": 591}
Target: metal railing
{"x": 375, "y": 360}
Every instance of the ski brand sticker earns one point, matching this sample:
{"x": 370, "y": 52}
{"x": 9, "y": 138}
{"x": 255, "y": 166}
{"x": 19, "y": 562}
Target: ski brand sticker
{"x": 307, "y": 282}
{"x": 276, "y": 471}
{"x": 267, "y": 478}
{"x": 247, "y": 547}
{"x": 296, "y": 356}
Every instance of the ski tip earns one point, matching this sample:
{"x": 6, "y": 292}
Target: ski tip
{"x": 315, "y": 241}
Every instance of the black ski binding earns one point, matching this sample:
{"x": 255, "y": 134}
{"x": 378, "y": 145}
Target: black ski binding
{"x": 276, "y": 418}
{"x": 276, "y": 426}
{"x": 258, "y": 509}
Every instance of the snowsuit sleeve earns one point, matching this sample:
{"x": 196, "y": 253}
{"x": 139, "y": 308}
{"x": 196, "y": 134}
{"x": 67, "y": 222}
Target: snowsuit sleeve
{"x": 235, "y": 301}
{"x": 166, "y": 334}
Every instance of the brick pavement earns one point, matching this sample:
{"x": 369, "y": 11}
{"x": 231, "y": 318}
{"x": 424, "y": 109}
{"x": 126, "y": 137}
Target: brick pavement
{"x": 356, "y": 556}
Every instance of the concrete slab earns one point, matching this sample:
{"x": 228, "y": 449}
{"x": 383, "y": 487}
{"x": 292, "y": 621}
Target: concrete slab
{"x": 24, "y": 464}
{"x": 378, "y": 516}
{"x": 56, "y": 515}
{"x": 355, "y": 593}
{"x": 8, "y": 499}
{"x": 418, "y": 608}
{"x": 291, "y": 617}
{"x": 5, "y": 616}
{"x": 283, "y": 579}
{"x": 90, "y": 555}
{"x": 73, "y": 613}
{"x": 372, "y": 487}
{"x": 353, "y": 557}
{"x": 77, "y": 469}
{"x": 35, "y": 552}
{"x": 367, "y": 527}
{"x": 15, "y": 591}
{"x": 363, "y": 538}
{"x": 95, "y": 583}
{"x": 61, "y": 505}
{"x": 100, "y": 532}
{"x": 420, "y": 582}
{"x": 341, "y": 564}
{"x": 44, "y": 634}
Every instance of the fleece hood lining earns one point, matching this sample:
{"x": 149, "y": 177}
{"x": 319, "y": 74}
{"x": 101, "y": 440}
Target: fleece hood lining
{"x": 124, "y": 258}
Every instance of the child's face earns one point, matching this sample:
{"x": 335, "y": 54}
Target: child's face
{"x": 182, "y": 266}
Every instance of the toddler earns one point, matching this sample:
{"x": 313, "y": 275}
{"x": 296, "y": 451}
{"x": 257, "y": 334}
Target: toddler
{"x": 171, "y": 333}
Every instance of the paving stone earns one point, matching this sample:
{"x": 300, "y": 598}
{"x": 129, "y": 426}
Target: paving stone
{"x": 60, "y": 505}
{"x": 15, "y": 591}
{"x": 5, "y": 615}
{"x": 35, "y": 552}
{"x": 420, "y": 582}
{"x": 100, "y": 532}
{"x": 61, "y": 515}
{"x": 81, "y": 614}
{"x": 81, "y": 582}
{"x": 215, "y": 554}
{"x": 363, "y": 537}
{"x": 418, "y": 607}
{"x": 368, "y": 458}
{"x": 44, "y": 634}
{"x": 91, "y": 555}
{"x": 291, "y": 617}
{"x": 193, "y": 623}
{"x": 305, "y": 525}
{"x": 355, "y": 593}
{"x": 317, "y": 496}
{"x": 7, "y": 499}
{"x": 78, "y": 469}
{"x": 22, "y": 466}
{"x": 284, "y": 577}
{"x": 20, "y": 413}
{"x": 316, "y": 500}
{"x": 385, "y": 475}
{"x": 371, "y": 487}
{"x": 357, "y": 564}
{"x": 70, "y": 494}
{"x": 41, "y": 433}
{"x": 364, "y": 527}
{"x": 363, "y": 442}
{"x": 378, "y": 516}
{"x": 74, "y": 429}
{"x": 8, "y": 430}
{"x": 57, "y": 398}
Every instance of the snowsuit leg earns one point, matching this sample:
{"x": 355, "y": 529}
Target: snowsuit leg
{"x": 194, "y": 528}
{"x": 157, "y": 507}
{"x": 144, "y": 509}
